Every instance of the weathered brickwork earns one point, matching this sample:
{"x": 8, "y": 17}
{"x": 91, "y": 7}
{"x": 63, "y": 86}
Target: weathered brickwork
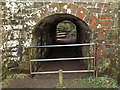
{"x": 20, "y": 18}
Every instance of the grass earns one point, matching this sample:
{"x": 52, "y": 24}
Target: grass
{"x": 100, "y": 82}
{"x": 6, "y": 82}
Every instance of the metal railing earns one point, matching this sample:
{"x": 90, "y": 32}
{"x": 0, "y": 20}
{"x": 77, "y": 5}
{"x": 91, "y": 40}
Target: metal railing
{"x": 66, "y": 45}
{"x": 59, "y": 59}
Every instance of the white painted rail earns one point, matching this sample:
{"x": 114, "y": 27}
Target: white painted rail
{"x": 60, "y": 59}
{"x": 53, "y": 72}
{"x": 66, "y": 45}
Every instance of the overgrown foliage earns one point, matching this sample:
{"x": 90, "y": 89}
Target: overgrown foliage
{"x": 90, "y": 82}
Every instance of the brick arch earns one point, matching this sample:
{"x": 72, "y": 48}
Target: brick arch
{"x": 96, "y": 26}
{"x": 73, "y": 9}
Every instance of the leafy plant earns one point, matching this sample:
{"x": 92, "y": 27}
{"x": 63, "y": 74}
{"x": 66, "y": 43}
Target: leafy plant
{"x": 58, "y": 86}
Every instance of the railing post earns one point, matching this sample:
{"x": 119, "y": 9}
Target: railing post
{"x": 97, "y": 60}
{"x": 30, "y": 59}
{"x": 60, "y": 78}
{"x": 94, "y": 59}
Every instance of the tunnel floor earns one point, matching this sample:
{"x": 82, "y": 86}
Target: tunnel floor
{"x": 63, "y": 52}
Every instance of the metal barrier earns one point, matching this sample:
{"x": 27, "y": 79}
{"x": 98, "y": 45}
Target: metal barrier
{"x": 59, "y": 59}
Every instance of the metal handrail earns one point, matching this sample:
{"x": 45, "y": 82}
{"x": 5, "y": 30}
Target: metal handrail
{"x": 66, "y": 45}
{"x": 74, "y": 71}
{"x": 60, "y": 59}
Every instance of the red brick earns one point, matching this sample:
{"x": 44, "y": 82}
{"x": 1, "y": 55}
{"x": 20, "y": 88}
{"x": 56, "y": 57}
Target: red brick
{"x": 105, "y": 17}
{"x": 94, "y": 22}
{"x": 106, "y": 23}
{"x": 105, "y": 5}
{"x": 102, "y": 50}
{"x": 101, "y": 35}
{"x": 107, "y": 11}
{"x": 94, "y": 26}
{"x": 81, "y": 13}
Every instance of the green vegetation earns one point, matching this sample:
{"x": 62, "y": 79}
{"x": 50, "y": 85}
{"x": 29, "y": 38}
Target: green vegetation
{"x": 69, "y": 27}
{"x": 90, "y": 82}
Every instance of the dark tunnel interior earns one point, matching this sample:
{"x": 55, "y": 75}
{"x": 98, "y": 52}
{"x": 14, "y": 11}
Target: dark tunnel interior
{"x": 45, "y": 34}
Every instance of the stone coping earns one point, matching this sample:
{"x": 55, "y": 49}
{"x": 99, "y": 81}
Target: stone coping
{"x": 61, "y": 1}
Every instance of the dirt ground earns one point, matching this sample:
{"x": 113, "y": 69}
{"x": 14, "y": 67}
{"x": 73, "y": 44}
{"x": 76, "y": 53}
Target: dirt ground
{"x": 45, "y": 81}
{"x": 51, "y": 80}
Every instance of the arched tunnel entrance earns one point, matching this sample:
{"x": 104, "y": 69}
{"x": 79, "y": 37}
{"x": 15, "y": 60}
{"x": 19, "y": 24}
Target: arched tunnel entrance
{"x": 66, "y": 32}
{"x": 45, "y": 33}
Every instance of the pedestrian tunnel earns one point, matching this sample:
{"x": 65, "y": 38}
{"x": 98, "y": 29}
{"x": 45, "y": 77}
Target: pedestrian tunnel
{"x": 45, "y": 33}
